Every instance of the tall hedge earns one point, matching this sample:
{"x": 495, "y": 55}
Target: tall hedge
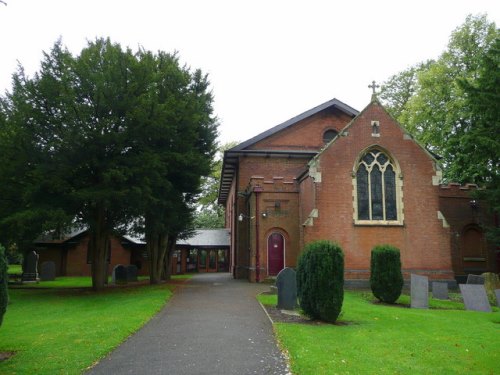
{"x": 4, "y": 296}
{"x": 386, "y": 279}
{"x": 320, "y": 280}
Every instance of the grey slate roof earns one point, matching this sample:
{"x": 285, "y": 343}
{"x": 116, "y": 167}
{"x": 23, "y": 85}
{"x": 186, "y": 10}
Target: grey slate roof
{"x": 207, "y": 238}
{"x": 201, "y": 238}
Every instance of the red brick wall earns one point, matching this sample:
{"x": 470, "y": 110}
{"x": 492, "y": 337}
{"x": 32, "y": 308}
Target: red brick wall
{"x": 424, "y": 243}
{"x": 455, "y": 204}
{"x": 76, "y": 259}
{"x": 306, "y": 134}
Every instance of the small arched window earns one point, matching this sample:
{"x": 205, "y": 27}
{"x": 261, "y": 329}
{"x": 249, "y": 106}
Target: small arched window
{"x": 329, "y": 135}
{"x": 376, "y": 188}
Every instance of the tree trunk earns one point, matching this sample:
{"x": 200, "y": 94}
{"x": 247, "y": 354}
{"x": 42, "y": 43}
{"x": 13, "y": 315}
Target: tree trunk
{"x": 152, "y": 250}
{"x": 170, "y": 247}
{"x": 98, "y": 248}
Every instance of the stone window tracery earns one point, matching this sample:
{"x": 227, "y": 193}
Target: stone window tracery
{"x": 376, "y": 189}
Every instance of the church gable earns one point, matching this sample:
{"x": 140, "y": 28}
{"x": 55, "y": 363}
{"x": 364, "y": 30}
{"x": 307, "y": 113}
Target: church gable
{"x": 374, "y": 184}
{"x": 306, "y": 134}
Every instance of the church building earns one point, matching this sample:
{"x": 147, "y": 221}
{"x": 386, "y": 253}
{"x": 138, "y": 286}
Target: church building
{"x": 355, "y": 178}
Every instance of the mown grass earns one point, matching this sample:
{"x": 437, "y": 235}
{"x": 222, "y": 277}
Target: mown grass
{"x": 373, "y": 338}
{"x": 64, "y": 331}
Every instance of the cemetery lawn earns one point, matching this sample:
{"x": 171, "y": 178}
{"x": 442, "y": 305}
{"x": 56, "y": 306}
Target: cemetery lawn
{"x": 64, "y": 331}
{"x": 381, "y": 339}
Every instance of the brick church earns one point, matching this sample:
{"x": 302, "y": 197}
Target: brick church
{"x": 356, "y": 178}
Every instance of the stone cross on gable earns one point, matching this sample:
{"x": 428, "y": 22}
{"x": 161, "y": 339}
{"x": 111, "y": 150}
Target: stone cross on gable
{"x": 373, "y": 86}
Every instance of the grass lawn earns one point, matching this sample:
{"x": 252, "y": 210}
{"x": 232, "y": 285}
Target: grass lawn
{"x": 380, "y": 339}
{"x": 64, "y": 331}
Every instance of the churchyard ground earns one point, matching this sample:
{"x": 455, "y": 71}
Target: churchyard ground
{"x": 374, "y": 338}
{"x": 57, "y": 328}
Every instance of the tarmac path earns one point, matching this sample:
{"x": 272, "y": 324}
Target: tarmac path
{"x": 212, "y": 325}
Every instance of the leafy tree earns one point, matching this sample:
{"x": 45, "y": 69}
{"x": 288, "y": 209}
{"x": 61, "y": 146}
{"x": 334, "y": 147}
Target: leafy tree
{"x": 400, "y": 88}
{"x": 436, "y": 113}
{"x": 110, "y": 138}
{"x": 209, "y": 214}
{"x": 4, "y": 295}
{"x": 480, "y": 157}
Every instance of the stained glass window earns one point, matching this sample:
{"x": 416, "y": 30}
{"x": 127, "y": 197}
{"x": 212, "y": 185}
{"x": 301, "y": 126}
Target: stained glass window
{"x": 376, "y": 187}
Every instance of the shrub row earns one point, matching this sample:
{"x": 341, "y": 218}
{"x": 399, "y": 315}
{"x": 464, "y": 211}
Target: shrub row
{"x": 320, "y": 278}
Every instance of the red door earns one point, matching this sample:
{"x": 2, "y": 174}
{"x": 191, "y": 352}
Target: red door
{"x": 275, "y": 253}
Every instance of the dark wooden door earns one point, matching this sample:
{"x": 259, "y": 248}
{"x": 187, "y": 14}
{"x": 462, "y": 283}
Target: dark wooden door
{"x": 275, "y": 253}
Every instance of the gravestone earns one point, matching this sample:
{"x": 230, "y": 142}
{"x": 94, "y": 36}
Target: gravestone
{"x": 48, "y": 271}
{"x": 119, "y": 274}
{"x": 132, "y": 272}
{"x": 475, "y": 279}
{"x": 475, "y": 297}
{"x": 286, "y": 282}
{"x": 30, "y": 268}
{"x": 419, "y": 292}
{"x": 439, "y": 290}
{"x": 491, "y": 282}
{"x": 497, "y": 294}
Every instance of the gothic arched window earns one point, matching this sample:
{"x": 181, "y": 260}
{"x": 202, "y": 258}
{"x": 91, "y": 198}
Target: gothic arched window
{"x": 376, "y": 188}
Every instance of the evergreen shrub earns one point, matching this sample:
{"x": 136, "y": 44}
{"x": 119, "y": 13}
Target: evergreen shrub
{"x": 386, "y": 279}
{"x": 320, "y": 280}
{"x": 4, "y": 296}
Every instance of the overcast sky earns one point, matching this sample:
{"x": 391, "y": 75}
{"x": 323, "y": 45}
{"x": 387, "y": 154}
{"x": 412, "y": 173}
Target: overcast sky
{"x": 267, "y": 60}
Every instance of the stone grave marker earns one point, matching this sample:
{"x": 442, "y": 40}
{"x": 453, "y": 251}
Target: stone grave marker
{"x": 439, "y": 290}
{"x": 497, "y": 294}
{"x": 119, "y": 274}
{"x": 286, "y": 282}
{"x": 131, "y": 272}
{"x": 475, "y": 297}
{"x": 475, "y": 279}
{"x": 30, "y": 268}
{"x": 48, "y": 271}
{"x": 419, "y": 292}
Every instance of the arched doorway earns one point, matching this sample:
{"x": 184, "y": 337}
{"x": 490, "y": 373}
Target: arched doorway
{"x": 275, "y": 253}
{"x": 473, "y": 252}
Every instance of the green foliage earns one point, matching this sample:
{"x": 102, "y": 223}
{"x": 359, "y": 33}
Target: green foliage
{"x": 102, "y": 139}
{"x": 4, "y": 295}
{"x": 451, "y": 107}
{"x": 436, "y": 109}
{"x": 320, "y": 280}
{"x": 386, "y": 279}
{"x": 209, "y": 214}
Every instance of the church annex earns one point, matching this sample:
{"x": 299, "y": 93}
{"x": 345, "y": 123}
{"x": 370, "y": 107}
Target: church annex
{"x": 356, "y": 178}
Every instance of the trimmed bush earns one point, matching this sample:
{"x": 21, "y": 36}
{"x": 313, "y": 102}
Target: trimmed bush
{"x": 4, "y": 296}
{"x": 386, "y": 279}
{"x": 320, "y": 280}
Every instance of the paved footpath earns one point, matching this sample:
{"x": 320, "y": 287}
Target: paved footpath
{"x": 212, "y": 325}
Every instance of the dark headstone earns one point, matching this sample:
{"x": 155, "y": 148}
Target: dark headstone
{"x": 48, "y": 271}
{"x": 30, "y": 268}
{"x": 286, "y": 282}
{"x": 119, "y": 274}
{"x": 439, "y": 290}
{"x": 132, "y": 272}
{"x": 475, "y": 279}
{"x": 497, "y": 294}
{"x": 475, "y": 297}
{"x": 419, "y": 292}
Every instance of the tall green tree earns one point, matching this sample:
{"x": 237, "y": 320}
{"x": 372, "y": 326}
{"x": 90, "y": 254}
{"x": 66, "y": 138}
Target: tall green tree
{"x": 110, "y": 138}
{"x": 177, "y": 138}
{"x": 480, "y": 144}
{"x": 436, "y": 111}
{"x": 451, "y": 106}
